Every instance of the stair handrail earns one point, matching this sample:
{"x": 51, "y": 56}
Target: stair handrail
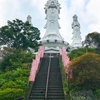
{"x": 31, "y": 83}
{"x": 47, "y": 78}
{"x": 38, "y": 61}
{"x": 66, "y": 61}
{"x": 35, "y": 64}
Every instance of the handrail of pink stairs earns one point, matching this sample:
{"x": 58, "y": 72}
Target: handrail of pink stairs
{"x": 66, "y": 61}
{"x": 35, "y": 64}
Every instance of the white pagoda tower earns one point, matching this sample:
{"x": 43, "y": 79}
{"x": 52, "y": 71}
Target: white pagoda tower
{"x": 52, "y": 39}
{"x": 76, "y": 39}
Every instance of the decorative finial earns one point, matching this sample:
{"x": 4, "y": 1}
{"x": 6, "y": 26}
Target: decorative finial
{"x": 29, "y": 19}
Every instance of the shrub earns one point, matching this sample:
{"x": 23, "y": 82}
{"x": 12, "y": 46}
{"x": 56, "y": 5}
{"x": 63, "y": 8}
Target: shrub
{"x": 9, "y": 84}
{"x": 86, "y": 72}
{"x": 97, "y": 93}
{"x": 79, "y": 52}
{"x": 10, "y": 93}
{"x": 16, "y": 60}
{"x": 14, "y": 74}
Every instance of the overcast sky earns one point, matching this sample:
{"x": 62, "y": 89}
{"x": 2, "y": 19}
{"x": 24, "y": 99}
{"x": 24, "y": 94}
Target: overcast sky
{"x": 88, "y": 12}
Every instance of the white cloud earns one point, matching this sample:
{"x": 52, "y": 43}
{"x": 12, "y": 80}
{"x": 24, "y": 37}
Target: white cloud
{"x": 9, "y": 10}
{"x": 92, "y": 16}
{"x": 87, "y": 11}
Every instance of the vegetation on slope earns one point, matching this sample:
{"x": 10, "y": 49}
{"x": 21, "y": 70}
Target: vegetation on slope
{"x": 18, "y": 36}
{"x": 14, "y": 73}
{"x": 79, "y": 52}
{"x": 86, "y": 71}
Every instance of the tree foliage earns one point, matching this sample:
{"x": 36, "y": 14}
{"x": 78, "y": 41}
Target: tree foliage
{"x": 86, "y": 72}
{"x": 93, "y": 40}
{"x": 14, "y": 74}
{"x": 10, "y": 93}
{"x": 78, "y": 52}
{"x": 15, "y": 60}
{"x": 19, "y": 34}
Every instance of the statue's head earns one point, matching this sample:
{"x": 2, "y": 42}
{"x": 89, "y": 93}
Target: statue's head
{"x": 52, "y": 0}
{"x": 75, "y": 17}
{"x": 52, "y": 3}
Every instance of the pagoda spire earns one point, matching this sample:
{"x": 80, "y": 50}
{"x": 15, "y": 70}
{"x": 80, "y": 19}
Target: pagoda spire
{"x": 52, "y": 11}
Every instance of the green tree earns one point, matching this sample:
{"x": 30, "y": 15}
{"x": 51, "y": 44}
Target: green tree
{"x": 19, "y": 34}
{"x": 16, "y": 60}
{"x": 78, "y": 52}
{"x": 86, "y": 72}
{"x": 93, "y": 40}
{"x": 10, "y": 93}
{"x": 14, "y": 74}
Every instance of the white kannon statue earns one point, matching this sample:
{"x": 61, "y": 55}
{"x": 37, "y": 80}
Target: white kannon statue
{"x": 52, "y": 10}
{"x": 76, "y": 39}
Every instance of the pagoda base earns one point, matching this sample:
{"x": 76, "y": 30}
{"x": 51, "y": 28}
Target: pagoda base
{"x": 54, "y": 46}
